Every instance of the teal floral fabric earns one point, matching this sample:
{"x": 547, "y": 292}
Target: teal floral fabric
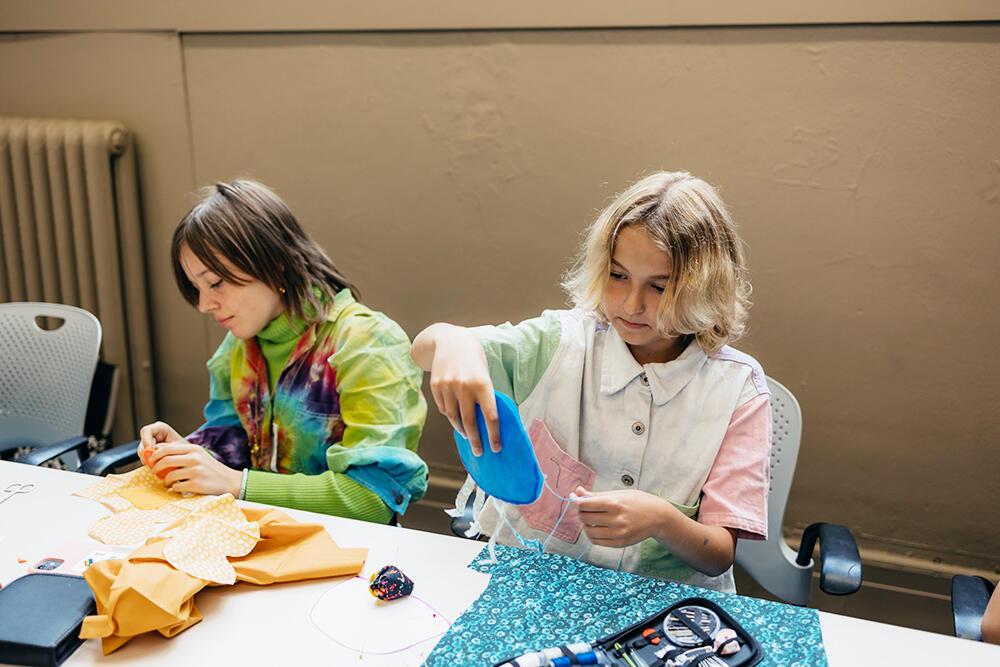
{"x": 535, "y": 601}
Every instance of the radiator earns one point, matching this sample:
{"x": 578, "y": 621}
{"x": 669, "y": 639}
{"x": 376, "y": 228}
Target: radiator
{"x": 71, "y": 232}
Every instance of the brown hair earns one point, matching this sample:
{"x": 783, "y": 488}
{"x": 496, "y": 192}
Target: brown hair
{"x": 248, "y": 224}
{"x": 708, "y": 295}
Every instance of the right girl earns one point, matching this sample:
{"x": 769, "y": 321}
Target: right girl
{"x": 634, "y": 394}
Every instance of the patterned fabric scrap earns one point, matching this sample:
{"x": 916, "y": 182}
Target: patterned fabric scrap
{"x": 537, "y": 600}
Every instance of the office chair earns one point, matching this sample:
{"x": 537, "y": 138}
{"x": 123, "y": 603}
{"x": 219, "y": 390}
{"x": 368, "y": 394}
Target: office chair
{"x": 783, "y": 572}
{"x": 48, "y": 356}
{"x": 969, "y": 597}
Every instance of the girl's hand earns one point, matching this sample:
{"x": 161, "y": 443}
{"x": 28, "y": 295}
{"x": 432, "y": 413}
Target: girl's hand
{"x": 620, "y": 518}
{"x": 460, "y": 378}
{"x": 623, "y": 518}
{"x": 187, "y": 468}
{"x": 152, "y": 435}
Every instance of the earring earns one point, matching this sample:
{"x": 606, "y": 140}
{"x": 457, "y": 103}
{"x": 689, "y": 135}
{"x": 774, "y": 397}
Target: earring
{"x": 281, "y": 291}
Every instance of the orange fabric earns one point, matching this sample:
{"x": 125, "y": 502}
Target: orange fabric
{"x": 143, "y": 593}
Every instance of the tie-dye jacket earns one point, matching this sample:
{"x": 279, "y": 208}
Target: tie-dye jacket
{"x": 348, "y": 400}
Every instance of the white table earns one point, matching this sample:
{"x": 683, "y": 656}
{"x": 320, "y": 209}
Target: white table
{"x": 250, "y": 625}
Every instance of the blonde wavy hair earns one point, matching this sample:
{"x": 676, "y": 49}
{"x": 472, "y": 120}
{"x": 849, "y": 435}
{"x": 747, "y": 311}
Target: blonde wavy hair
{"x": 708, "y": 295}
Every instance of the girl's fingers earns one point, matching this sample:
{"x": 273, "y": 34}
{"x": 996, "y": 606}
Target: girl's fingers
{"x": 589, "y": 504}
{"x": 596, "y": 534}
{"x": 148, "y": 435}
{"x": 488, "y": 402}
{"x": 467, "y": 405}
{"x": 595, "y": 521}
{"x": 183, "y": 486}
{"x": 177, "y": 461}
{"x": 176, "y": 475}
{"x": 452, "y": 412}
{"x": 169, "y": 449}
{"x": 438, "y": 400}
{"x": 157, "y": 432}
{"x": 605, "y": 535}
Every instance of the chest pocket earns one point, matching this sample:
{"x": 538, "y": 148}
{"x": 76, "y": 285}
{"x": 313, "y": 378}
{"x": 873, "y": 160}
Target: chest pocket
{"x": 563, "y": 474}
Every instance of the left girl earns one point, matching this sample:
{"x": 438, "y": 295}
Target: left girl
{"x": 314, "y": 401}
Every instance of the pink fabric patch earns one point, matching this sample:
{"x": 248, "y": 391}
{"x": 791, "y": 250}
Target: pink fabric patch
{"x": 735, "y": 493}
{"x": 563, "y": 474}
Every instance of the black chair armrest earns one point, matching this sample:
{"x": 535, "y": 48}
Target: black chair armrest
{"x": 460, "y": 524}
{"x": 839, "y": 560}
{"x": 40, "y": 455}
{"x": 969, "y": 597}
{"x": 104, "y": 462}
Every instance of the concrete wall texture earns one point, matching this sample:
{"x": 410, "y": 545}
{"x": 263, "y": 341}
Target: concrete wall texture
{"x": 450, "y": 174}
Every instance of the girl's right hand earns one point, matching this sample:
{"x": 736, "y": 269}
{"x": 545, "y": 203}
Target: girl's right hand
{"x": 460, "y": 378}
{"x": 153, "y": 435}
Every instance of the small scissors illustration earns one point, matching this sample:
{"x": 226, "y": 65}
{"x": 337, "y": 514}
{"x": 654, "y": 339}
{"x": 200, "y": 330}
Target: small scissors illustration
{"x": 14, "y": 489}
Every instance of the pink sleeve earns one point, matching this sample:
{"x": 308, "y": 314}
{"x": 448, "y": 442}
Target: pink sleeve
{"x": 735, "y": 493}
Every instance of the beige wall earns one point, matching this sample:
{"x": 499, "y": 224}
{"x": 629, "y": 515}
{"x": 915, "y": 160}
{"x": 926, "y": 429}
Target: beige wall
{"x": 450, "y": 173}
{"x": 136, "y": 78}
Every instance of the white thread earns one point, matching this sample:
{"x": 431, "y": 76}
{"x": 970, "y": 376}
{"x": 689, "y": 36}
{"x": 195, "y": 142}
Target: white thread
{"x": 479, "y": 505}
{"x": 565, "y": 506}
{"x": 478, "y": 502}
{"x": 491, "y": 546}
{"x": 462, "y": 498}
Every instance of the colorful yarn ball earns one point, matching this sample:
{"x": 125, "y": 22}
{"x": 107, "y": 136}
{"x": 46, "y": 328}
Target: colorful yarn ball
{"x": 390, "y": 583}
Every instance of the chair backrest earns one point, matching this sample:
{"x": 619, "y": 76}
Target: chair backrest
{"x": 45, "y": 375}
{"x": 786, "y": 435}
{"x": 772, "y": 562}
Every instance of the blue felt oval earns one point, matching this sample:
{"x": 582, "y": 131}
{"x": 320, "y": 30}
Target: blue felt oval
{"x": 512, "y": 474}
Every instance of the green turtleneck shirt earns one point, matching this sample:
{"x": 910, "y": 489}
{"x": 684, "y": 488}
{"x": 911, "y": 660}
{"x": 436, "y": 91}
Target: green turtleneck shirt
{"x": 327, "y": 493}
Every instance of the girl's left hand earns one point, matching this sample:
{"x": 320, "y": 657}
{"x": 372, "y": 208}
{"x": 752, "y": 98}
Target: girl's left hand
{"x": 619, "y": 518}
{"x": 193, "y": 470}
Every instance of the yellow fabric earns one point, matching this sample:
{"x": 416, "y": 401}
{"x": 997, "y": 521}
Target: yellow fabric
{"x": 201, "y": 541}
{"x": 144, "y": 593}
{"x": 147, "y": 498}
{"x": 141, "y": 505}
{"x": 133, "y": 525}
{"x": 138, "y": 488}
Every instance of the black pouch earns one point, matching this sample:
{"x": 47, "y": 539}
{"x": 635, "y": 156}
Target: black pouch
{"x": 40, "y": 618}
{"x": 654, "y": 640}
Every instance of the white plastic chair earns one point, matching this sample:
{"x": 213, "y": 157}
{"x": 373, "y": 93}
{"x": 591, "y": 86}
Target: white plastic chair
{"x": 783, "y": 572}
{"x": 45, "y": 377}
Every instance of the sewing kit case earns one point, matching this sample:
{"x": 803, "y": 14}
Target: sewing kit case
{"x": 685, "y": 634}
{"x": 40, "y": 618}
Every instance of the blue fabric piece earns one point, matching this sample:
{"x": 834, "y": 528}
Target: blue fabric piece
{"x": 534, "y": 601}
{"x": 512, "y": 474}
